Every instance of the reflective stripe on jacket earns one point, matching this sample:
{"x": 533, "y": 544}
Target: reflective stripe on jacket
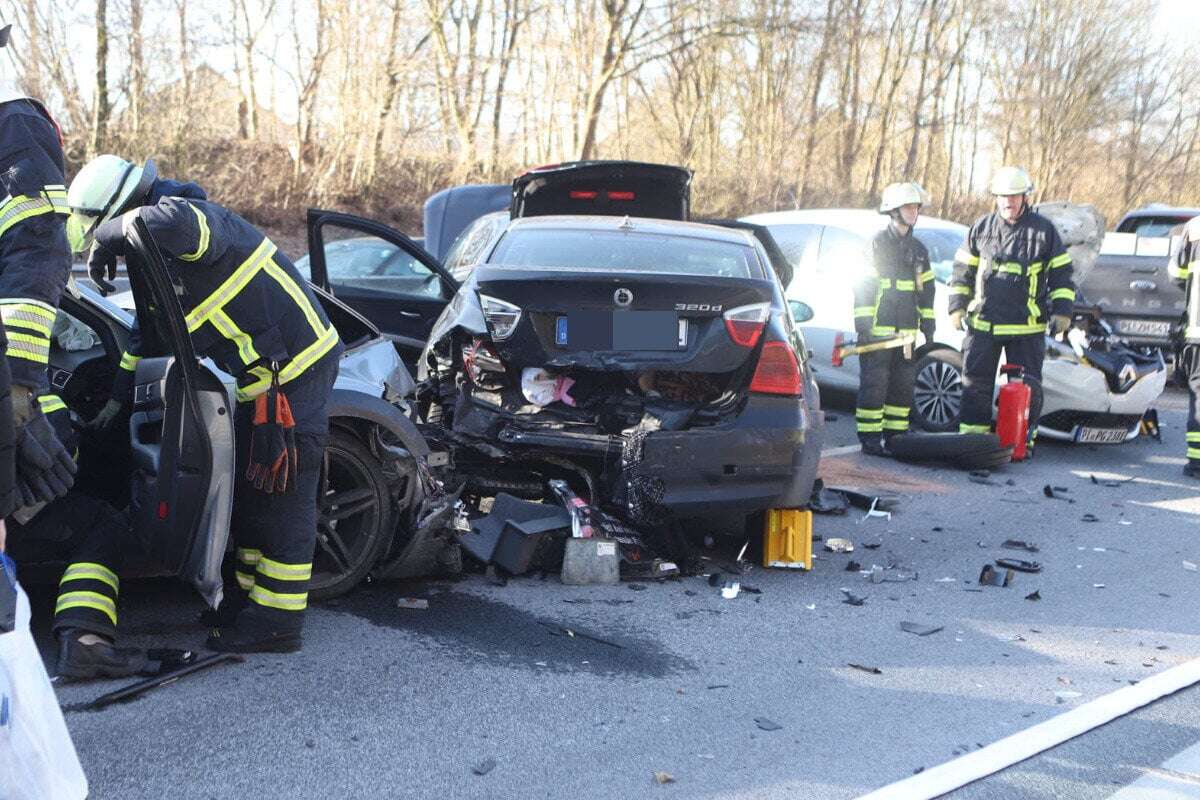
{"x": 896, "y": 296}
{"x": 246, "y": 306}
{"x": 1010, "y": 278}
{"x": 35, "y": 260}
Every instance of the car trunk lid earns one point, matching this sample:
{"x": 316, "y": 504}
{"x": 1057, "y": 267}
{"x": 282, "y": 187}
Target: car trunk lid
{"x": 608, "y": 188}
{"x": 1129, "y": 283}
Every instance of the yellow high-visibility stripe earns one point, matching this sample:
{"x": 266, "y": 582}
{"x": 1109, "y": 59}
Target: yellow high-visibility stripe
{"x": 1177, "y": 272}
{"x": 245, "y": 581}
{"x": 965, "y": 290}
{"x": 308, "y": 356}
{"x": 247, "y": 555}
{"x": 869, "y": 413}
{"x": 964, "y": 427}
{"x": 927, "y": 276}
{"x": 284, "y": 602}
{"x": 129, "y": 362}
{"x": 284, "y": 572}
{"x": 297, "y": 294}
{"x": 20, "y": 208}
{"x": 1063, "y": 294}
{"x": 1193, "y": 436}
{"x": 231, "y": 285}
{"x": 895, "y": 424}
{"x": 1193, "y": 452}
{"x": 869, "y": 427}
{"x": 926, "y": 313}
{"x": 1016, "y": 330}
{"x": 896, "y": 411}
{"x": 229, "y": 329}
{"x": 864, "y": 311}
{"x": 202, "y": 247}
{"x": 1061, "y": 260}
{"x": 1011, "y": 268}
{"x": 93, "y": 600}
{"x": 51, "y": 403}
{"x": 965, "y": 257}
{"x": 906, "y": 286}
{"x": 86, "y": 570}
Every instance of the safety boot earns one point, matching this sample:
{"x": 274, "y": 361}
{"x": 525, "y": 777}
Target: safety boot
{"x": 1192, "y": 469}
{"x": 225, "y": 615}
{"x": 83, "y": 656}
{"x": 872, "y": 445}
{"x": 256, "y": 633}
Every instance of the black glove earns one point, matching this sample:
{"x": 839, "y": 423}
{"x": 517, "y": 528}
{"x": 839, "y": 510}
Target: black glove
{"x": 42, "y": 461}
{"x": 102, "y": 262}
{"x": 273, "y": 458}
{"x": 927, "y": 329}
{"x": 863, "y": 330}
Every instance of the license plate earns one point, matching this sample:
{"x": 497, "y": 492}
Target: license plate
{"x": 1144, "y": 327}
{"x": 621, "y": 330}
{"x": 1101, "y": 435}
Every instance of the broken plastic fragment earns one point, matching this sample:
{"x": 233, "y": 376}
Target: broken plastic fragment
{"x": 1019, "y": 565}
{"x": 873, "y": 511}
{"x": 990, "y": 576}
{"x": 865, "y": 668}
{"x": 852, "y": 599}
{"x": 1191, "y": 566}
{"x": 484, "y": 767}
{"x": 919, "y": 629}
{"x": 765, "y": 724}
{"x": 730, "y": 590}
{"x": 839, "y": 545}
{"x": 1036, "y": 594}
{"x": 663, "y": 778}
{"x": 1017, "y": 544}
{"x": 1090, "y": 518}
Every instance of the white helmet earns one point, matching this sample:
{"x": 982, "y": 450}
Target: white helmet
{"x": 9, "y": 90}
{"x": 1010, "y": 181}
{"x": 106, "y": 187}
{"x": 901, "y": 194}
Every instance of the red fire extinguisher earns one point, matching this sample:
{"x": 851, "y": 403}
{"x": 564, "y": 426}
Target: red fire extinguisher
{"x": 1012, "y": 421}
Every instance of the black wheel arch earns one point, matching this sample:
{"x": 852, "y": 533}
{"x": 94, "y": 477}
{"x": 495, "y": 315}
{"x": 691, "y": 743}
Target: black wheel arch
{"x": 347, "y": 407}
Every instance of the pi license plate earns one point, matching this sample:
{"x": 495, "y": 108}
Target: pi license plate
{"x": 1144, "y": 327}
{"x": 621, "y": 330}
{"x": 1101, "y": 435}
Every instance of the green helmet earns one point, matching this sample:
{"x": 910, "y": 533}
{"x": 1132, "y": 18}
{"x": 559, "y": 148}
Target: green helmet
{"x": 901, "y": 194}
{"x": 106, "y": 187}
{"x": 1011, "y": 180}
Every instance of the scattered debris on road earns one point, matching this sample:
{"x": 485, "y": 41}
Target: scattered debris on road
{"x": 662, "y": 778}
{"x": 865, "y": 668}
{"x": 990, "y": 576}
{"x": 484, "y": 767}
{"x": 1191, "y": 566}
{"x": 1019, "y": 565}
{"x": 765, "y": 724}
{"x": 1017, "y": 544}
{"x": 839, "y": 545}
{"x": 1036, "y": 594}
{"x": 852, "y": 599}
{"x": 920, "y": 629}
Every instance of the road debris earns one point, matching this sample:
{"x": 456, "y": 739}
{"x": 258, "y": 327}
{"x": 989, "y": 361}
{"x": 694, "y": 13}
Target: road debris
{"x": 731, "y": 590}
{"x": 1191, "y": 566}
{"x": 188, "y": 664}
{"x": 827, "y": 501}
{"x": 865, "y": 668}
{"x": 1090, "y": 518}
{"x": 765, "y": 724}
{"x": 874, "y": 511}
{"x": 484, "y": 767}
{"x": 1036, "y": 594}
{"x": 982, "y": 476}
{"x": 919, "y": 629}
{"x": 853, "y": 566}
{"x": 990, "y": 576}
{"x": 663, "y": 778}
{"x": 415, "y": 603}
{"x": 1019, "y": 565}
{"x": 1017, "y": 544}
{"x": 1056, "y": 492}
{"x": 839, "y": 545}
{"x": 852, "y": 599}
{"x": 1064, "y": 696}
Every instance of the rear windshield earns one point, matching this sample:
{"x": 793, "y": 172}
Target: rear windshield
{"x": 1152, "y": 226}
{"x": 626, "y": 251}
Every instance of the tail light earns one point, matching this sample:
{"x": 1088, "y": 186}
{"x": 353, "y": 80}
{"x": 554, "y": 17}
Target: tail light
{"x": 621, "y": 196}
{"x": 583, "y": 194}
{"x": 839, "y": 339}
{"x": 745, "y": 323}
{"x": 502, "y": 317}
{"x": 778, "y": 371}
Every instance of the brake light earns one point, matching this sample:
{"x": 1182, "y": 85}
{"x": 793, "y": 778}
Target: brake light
{"x": 164, "y": 510}
{"x": 502, "y": 317}
{"x": 839, "y": 339}
{"x": 583, "y": 194}
{"x": 621, "y": 196}
{"x": 745, "y": 323}
{"x": 778, "y": 371}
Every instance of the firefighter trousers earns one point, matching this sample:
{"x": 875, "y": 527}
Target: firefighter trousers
{"x": 274, "y": 535}
{"x": 885, "y": 388}
{"x": 1189, "y": 364}
{"x": 981, "y": 356}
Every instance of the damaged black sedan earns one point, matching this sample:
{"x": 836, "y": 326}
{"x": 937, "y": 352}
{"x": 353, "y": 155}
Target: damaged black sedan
{"x": 651, "y": 363}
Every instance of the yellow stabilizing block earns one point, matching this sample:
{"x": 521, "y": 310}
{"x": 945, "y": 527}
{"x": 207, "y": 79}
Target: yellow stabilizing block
{"x": 787, "y": 539}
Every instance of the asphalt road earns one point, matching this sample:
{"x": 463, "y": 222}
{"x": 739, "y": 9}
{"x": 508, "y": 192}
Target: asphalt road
{"x": 390, "y": 702}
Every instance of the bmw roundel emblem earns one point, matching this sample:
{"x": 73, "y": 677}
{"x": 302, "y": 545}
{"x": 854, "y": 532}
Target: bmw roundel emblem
{"x": 622, "y": 297}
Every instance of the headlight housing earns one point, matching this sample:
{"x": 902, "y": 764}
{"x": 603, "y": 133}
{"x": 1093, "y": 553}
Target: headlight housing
{"x": 502, "y": 317}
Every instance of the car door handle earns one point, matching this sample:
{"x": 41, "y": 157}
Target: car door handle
{"x": 410, "y": 314}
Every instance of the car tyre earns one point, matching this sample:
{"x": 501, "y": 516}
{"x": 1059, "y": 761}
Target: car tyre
{"x": 937, "y": 391}
{"x": 353, "y": 516}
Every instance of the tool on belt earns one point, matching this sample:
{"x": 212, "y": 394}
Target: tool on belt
{"x": 905, "y": 340}
{"x": 273, "y": 458}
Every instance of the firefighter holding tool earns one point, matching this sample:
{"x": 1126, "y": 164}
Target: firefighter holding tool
{"x": 248, "y": 309}
{"x": 892, "y": 302}
{"x": 1012, "y": 278}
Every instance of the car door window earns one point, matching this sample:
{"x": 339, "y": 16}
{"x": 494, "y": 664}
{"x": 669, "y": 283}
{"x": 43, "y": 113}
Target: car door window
{"x": 798, "y": 243}
{"x": 471, "y": 245}
{"x": 841, "y": 253}
{"x": 353, "y": 258}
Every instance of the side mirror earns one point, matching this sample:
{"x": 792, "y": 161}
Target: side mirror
{"x": 801, "y": 311}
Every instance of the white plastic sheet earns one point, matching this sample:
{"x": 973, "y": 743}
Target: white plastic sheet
{"x": 37, "y": 757}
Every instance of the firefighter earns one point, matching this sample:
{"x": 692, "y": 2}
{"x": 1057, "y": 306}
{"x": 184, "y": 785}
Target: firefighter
{"x": 1012, "y": 276}
{"x": 1183, "y": 265}
{"x": 247, "y": 308}
{"x": 894, "y": 299}
{"x": 34, "y": 265}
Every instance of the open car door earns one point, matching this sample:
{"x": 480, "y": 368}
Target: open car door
{"x": 381, "y": 274}
{"x": 181, "y": 434}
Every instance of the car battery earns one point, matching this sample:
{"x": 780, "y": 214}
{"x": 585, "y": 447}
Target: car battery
{"x": 788, "y": 539}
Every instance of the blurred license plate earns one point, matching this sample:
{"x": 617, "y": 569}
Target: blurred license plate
{"x": 1144, "y": 327}
{"x": 1101, "y": 435}
{"x": 621, "y": 330}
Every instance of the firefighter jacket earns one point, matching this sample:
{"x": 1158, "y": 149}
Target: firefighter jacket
{"x": 1182, "y": 268}
{"x": 245, "y": 304}
{"x": 35, "y": 260}
{"x": 896, "y": 295}
{"x": 1008, "y": 276}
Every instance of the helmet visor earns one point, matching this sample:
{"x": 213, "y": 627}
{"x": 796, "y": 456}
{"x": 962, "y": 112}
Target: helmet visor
{"x": 80, "y": 228}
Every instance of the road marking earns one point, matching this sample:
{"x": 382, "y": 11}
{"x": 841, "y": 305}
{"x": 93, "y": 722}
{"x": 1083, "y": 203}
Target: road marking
{"x": 947, "y": 777}
{"x": 1176, "y": 779}
{"x": 841, "y": 451}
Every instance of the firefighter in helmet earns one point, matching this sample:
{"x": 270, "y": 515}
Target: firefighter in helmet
{"x": 893, "y": 300}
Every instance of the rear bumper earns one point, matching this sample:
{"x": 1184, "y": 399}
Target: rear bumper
{"x": 1079, "y": 396}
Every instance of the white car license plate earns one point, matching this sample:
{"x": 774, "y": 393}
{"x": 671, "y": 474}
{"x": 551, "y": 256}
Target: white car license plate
{"x": 1144, "y": 327}
{"x": 1101, "y": 435}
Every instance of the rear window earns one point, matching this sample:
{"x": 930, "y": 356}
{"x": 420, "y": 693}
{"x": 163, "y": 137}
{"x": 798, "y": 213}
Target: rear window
{"x": 942, "y": 245}
{"x": 626, "y": 251}
{"x": 1148, "y": 227}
